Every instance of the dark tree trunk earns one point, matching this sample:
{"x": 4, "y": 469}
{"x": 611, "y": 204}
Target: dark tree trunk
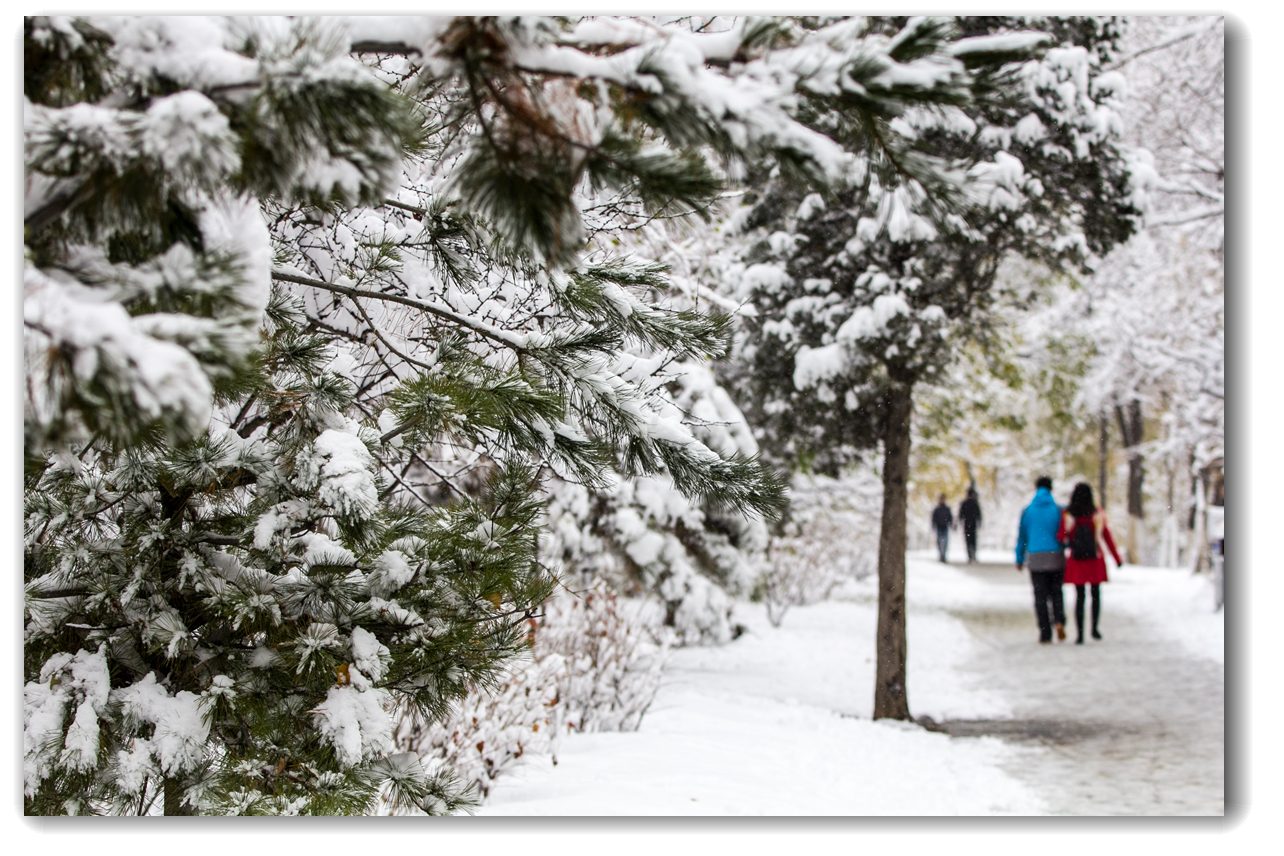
{"x": 1194, "y": 489}
{"x": 891, "y": 700}
{"x": 174, "y": 799}
{"x": 1130, "y": 426}
{"x": 1103, "y": 462}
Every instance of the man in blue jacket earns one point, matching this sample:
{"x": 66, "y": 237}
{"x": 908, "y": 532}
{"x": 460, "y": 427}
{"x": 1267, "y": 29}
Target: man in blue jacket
{"x": 1037, "y": 545}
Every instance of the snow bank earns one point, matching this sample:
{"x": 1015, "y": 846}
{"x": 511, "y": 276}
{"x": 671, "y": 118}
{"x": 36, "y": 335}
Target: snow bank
{"x": 777, "y": 723}
{"x": 1176, "y": 603}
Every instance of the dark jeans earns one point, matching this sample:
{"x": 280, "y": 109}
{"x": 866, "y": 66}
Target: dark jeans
{"x": 1049, "y": 606}
{"x": 1078, "y": 608}
{"x": 942, "y": 541}
{"x": 969, "y": 535}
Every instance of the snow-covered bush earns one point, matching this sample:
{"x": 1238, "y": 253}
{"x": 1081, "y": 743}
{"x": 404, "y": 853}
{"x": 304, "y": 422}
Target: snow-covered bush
{"x": 594, "y": 665}
{"x": 491, "y": 729}
{"x": 806, "y": 566}
{"x": 830, "y": 538}
{"x": 644, "y": 539}
{"x": 643, "y": 536}
{"x": 612, "y": 650}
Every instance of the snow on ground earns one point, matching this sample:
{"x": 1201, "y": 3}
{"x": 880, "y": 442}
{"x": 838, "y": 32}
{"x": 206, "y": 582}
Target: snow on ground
{"x": 1176, "y": 602}
{"x": 778, "y": 721}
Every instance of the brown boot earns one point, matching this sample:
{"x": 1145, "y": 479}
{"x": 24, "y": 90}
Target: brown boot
{"x": 1061, "y": 633}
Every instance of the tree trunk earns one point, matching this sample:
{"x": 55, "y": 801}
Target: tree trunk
{"x": 1169, "y": 554}
{"x": 174, "y": 799}
{"x": 1194, "y": 490}
{"x": 1202, "y": 558}
{"x": 1130, "y": 426}
{"x": 891, "y": 700}
{"x": 1103, "y": 462}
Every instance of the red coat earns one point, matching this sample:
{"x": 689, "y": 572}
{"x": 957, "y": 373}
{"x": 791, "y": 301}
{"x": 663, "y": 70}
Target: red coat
{"x": 1081, "y": 572}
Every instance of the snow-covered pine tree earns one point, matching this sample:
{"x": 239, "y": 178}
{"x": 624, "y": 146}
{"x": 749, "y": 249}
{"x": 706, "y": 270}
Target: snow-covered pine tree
{"x": 181, "y": 653}
{"x": 863, "y": 294}
{"x": 233, "y": 581}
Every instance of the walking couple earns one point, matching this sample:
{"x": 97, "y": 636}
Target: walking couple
{"x": 969, "y": 516}
{"x": 1046, "y": 531}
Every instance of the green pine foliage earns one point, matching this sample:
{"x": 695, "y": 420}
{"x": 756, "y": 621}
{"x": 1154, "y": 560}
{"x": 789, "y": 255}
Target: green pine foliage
{"x": 290, "y": 406}
{"x": 145, "y": 274}
{"x": 256, "y": 606}
{"x": 222, "y": 615}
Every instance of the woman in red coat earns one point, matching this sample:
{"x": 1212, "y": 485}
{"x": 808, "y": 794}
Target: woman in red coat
{"x": 1083, "y": 529}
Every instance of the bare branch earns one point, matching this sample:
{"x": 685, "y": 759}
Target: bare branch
{"x": 485, "y": 330}
{"x": 1189, "y": 33}
{"x": 392, "y": 48}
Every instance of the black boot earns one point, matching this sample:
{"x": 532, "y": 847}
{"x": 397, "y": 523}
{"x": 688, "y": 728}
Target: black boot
{"x": 1096, "y": 610}
{"x": 1078, "y": 614}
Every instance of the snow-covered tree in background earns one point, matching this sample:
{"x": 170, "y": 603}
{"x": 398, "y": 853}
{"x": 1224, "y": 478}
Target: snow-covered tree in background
{"x": 1150, "y": 333}
{"x": 1176, "y": 96}
{"x": 1141, "y": 337}
{"x": 313, "y": 309}
{"x": 1160, "y": 370}
{"x": 1133, "y": 355}
{"x": 864, "y": 294}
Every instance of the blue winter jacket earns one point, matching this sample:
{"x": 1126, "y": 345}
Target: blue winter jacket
{"x": 1039, "y": 524}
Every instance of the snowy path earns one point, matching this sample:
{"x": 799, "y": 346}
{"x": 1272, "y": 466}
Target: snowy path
{"x": 778, "y": 722}
{"x": 1132, "y": 724}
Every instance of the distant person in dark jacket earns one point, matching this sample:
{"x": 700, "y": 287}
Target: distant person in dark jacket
{"x": 1038, "y": 544}
{"x": 970, "y": 516}
{"x": 942, "y": 521}
{"x": 1084, "y": 531}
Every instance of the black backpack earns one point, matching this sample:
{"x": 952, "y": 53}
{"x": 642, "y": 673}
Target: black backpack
{"x": 1083, "y": 540}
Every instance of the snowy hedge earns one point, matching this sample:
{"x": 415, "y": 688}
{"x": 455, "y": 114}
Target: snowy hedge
{"x": 595, "y": 665}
